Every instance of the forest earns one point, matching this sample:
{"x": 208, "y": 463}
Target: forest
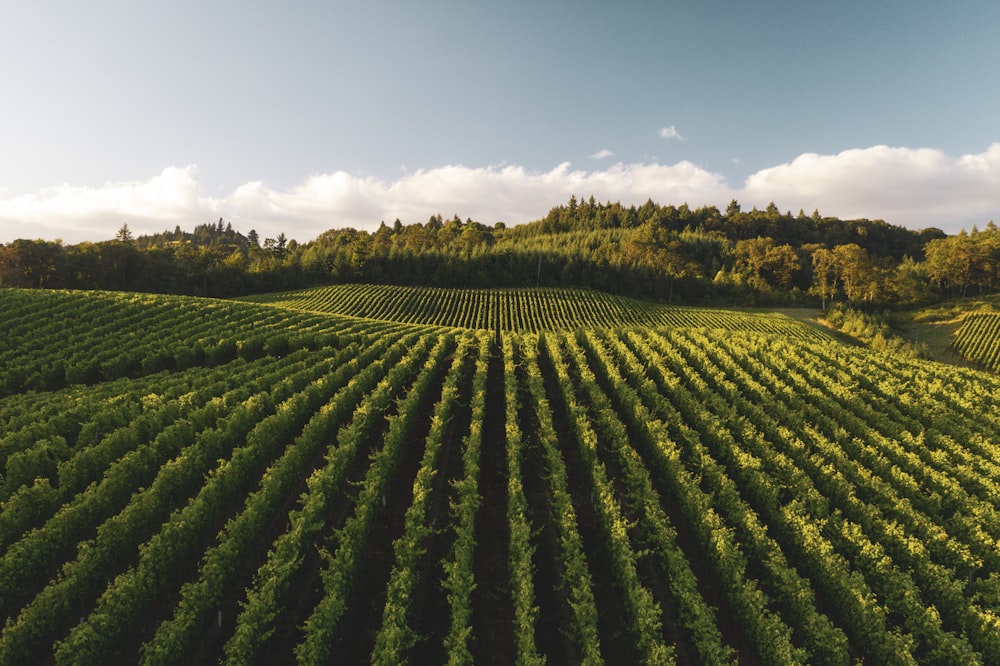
{"x": 666, "y": 253}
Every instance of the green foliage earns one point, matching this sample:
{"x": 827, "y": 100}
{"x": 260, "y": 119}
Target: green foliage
{"x": 665, "y": 253}
{"x": 874, "y": 330}
{"x": 978, "y": 339}
{"x": 531, "y": 310}
{"x": 967, "y": 260}
{"x": 730, "y": 487}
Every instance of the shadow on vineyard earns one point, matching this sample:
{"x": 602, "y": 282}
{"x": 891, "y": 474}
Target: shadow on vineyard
{"x": 366, "y": 600}
{"x": 491, "y": 601}
{"x": 553, "y": 630}
{"x": 616, "y": 644}
{"x": 652, "y": 568}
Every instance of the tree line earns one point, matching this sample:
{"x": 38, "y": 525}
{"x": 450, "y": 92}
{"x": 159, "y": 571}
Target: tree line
{"x": 663, "y": 252}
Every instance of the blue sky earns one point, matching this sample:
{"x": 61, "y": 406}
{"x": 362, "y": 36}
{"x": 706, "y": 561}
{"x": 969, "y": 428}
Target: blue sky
{"x": 302, "y": 116}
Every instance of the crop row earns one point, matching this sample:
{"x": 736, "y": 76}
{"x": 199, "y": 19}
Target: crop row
{"x": 57, "y": 339}
{"x": 978, "y": 339}
{"x": 525, "y": 310}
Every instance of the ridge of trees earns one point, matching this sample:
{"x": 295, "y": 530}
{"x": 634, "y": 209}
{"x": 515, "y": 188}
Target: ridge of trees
{"x": 663, "y": 252}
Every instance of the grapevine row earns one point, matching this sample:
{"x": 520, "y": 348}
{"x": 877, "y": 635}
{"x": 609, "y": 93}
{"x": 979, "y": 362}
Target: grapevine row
{"x": 193, "y": 454}
{"x": 720, "y": 519}
{"x": 575, "y": 574}
{"x": 459, "y": 575}
{"x": 396, "y": 635}
{"x": 220, "y": 564}
{"x": 890, "y": 583}
{"x": 644, "y": 613}
{"x": 338, "y": 575}
{"x": 520, "y": 555}
{"x": 526, "y": 310}
{"x": 129, "y": 595}
{"x": 978, "y": 339}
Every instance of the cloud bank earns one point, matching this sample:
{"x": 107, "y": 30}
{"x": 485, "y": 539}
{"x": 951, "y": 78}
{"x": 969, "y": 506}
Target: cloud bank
{"x": 916, "y": 188}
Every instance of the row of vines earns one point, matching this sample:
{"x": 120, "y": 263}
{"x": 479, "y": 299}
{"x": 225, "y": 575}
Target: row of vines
{"x": 55, "y": 339}
{"x": 526, "y": 310}
{"x": 392, "y": 494}
{"x": 978, "y": 339}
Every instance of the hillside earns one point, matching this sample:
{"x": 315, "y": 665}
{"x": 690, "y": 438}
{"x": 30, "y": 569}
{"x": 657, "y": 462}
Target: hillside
{"x": 519, "y": 310}
{"x": 394, "y": 475}
{"x": 963, "y": 331}
{"x": 668, "y": 253}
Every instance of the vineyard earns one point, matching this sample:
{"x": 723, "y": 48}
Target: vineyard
{"x": 978, "y": 339}
{"x": 389, "y": 475}
{"x": 521, "y": 310}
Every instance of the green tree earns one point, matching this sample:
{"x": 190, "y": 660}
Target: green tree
{"x": 276, "y": 246}
{"x": 124, "y": 235}
{"x": 911, "y": 283}
{"x": 39, "y": 261}
{"x": 959, "y": 262}
{"x": 766, "y": 265}
{"x": 854, "y": 270}
{"x": 10, "y": 268}
{"x": 824, "y": 284}
{"x": 663, "y": 254}
{"x": 382, "y": 240}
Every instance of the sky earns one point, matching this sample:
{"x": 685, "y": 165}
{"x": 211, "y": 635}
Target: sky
{"x": 302, "y": 116}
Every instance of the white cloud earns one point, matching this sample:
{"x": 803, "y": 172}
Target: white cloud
{"x": 507, "y": 193}
{"x": 670, "y": 133}
{"x": 602, "y": 154}
{"x": 87, "y": 213}
{"x": 913, "y": 187}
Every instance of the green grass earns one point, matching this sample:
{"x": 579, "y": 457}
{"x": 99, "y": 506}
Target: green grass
{"x": 935, "y": 326}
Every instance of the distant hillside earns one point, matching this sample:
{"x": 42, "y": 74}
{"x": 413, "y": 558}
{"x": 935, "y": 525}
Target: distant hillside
{"x": 521, "y": 310}
{"x": 670, "y": 254}
{"x": 963, "y": 331}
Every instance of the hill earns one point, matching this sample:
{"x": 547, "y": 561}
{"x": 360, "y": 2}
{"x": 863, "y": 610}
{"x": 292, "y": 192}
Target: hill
{"x": 190, "y": 480}
{"x": 664, "y": 253}
{"x": 963, "y": 331}
{"x": 519, "y": 310}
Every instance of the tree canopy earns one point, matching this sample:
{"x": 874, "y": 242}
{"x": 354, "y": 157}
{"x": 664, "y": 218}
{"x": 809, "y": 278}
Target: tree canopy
{"x": 663, "y": 252}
